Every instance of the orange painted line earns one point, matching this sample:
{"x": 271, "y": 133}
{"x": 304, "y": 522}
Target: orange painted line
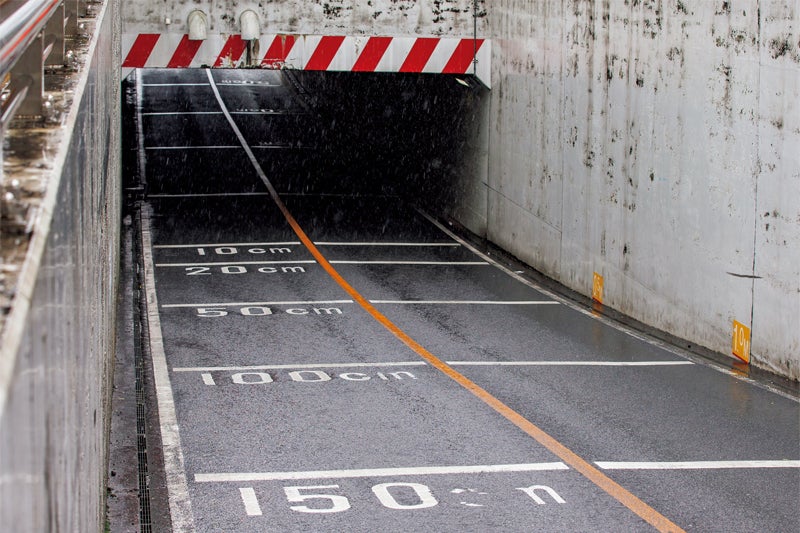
{"x": 617, "y": 491}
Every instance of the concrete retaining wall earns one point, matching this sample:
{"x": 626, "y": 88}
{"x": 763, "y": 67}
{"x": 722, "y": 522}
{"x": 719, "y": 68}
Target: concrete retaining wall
{"x": 58, "y": 342}
{"x": 656, "y": 143}
{"x": 314, "y": 17}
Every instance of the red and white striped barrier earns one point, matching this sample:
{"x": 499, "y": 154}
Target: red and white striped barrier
{"x": 442, "y": 55}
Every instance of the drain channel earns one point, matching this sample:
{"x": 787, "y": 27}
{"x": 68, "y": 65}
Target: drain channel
{"x": 145, "y": 520}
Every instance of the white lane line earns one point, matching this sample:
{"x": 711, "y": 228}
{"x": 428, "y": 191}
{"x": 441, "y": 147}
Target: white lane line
{"x": 335, "y": 195}
{"x": 175, "y": 85}
{"x": 724, "y": 369}
{"x": 220, "y": 147}
{"x": 398, "y": 244}
{"x": 255, "y": 304}
{"x": 413, "y": 263}
{"x": 297, "y": 243}
{"x": 569, "y": 363}
{"x": 694, "y": 465}
{"x": 251, "y": 506}
{"x": 377, "y": 302}
{"x": 299, "y": 367}
{"x": 179, "y": 113}
{"x": 259, "y": 112}
{"x": 233, "y": 263}
{"x": 423, "y": 363}
{"x": 267, "y": 112}
{"x": 227, "y": 244}
{"x": 376, "y": 472}
{"x": 399, "y": 263}
{"x": 208, "y": 195}
{"x": 179, "y": 502}
{"x": 463, "y": 302}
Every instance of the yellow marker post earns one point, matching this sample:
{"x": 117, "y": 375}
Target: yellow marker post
{"x": 741, "y": 341}
{"x": 597, "y": 288}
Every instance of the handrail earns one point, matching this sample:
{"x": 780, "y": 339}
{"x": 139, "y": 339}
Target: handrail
{"x": 21, "y": 28}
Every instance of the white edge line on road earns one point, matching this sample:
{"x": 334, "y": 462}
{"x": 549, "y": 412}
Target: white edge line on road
{"x": 295, "y": 243}
{"x": 235, "y": 263}
{"x": 245, "y": 304}
{"x": 376, "y": 472}
{"x": 694, "y": 465}
{"x": 569, "y": 363}
{"x": 311, "y": 261}
{"x": 605, "y": 320}
{"x": 463, "y": 302}
{"x": 179, "y": 501}
{"x": 221, "y": 147}
{"x": 207, "y": 195}
{"x": 400, "y": 244}
{"x": 413, "y": 263}
{"x": 423, "y": 363}
{"x": 226, "y": 245}
{"x": 376, "y": 302}
{"x": 178, "y": 113}
{"x": 299, "y": 367}
{"x": 174, "y": 84}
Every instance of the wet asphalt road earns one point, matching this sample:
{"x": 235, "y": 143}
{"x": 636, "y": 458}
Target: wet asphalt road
{"x": 296, "y": 410}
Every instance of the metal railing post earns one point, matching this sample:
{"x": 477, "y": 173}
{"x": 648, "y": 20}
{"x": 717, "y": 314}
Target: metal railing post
{"x": 54, "y": 36}
{"x": 71, "y": 15}
{"x": 29, "y": 71}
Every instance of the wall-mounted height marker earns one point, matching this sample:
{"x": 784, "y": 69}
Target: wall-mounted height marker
{"x": 741, "y": 341}
{"x": 597, "y": 288}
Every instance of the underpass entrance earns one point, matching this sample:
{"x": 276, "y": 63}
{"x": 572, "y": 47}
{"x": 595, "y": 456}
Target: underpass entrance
{"x": 323, "y": 354}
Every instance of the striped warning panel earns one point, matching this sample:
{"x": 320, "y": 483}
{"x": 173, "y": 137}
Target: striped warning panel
{"x": 442, "y": 55}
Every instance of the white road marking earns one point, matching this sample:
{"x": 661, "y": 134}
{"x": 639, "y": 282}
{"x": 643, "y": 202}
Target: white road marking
{"x": 423, "y": 363}
{"x": 297, "y": 367}
{"x": 256, "y": 304}
{"x": 258, "y": 112}
{"x": 220, "y": 147}
{"x": 208, "y": 195}
{"x": 413, "y": 263}
{"x": 569, "y": 363}
{"x": 464, "y": 302}
{"x": 174, "y": 85}
{"x": 694, "y": 465}
{"x": 376, "y": 472}
{"x": 227, "y": 245}
{"x": 608, "y": 321}
{"x": 297, "y": 243}
{"x": 399, "y": 244}
{"x": 251, "y": 506}
{"x": 400, "y": 263}
{"x": 171, "y": 113}
{"x": 235, "y": 263}
{"x": 179, "y": 502}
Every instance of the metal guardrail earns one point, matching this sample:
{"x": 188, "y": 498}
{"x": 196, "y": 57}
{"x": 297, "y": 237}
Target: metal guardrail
{"x": 33, "y": 36}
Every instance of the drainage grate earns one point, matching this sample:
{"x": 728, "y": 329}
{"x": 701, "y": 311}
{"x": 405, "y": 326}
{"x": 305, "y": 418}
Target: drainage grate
{"x": 145, "y": 521}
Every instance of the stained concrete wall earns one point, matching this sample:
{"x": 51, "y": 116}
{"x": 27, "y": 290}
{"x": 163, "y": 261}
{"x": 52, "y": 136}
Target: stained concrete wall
{"x": 656, "y": 143}
{"x": 57, "y": 345}
{"x": 313, "y": 17}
